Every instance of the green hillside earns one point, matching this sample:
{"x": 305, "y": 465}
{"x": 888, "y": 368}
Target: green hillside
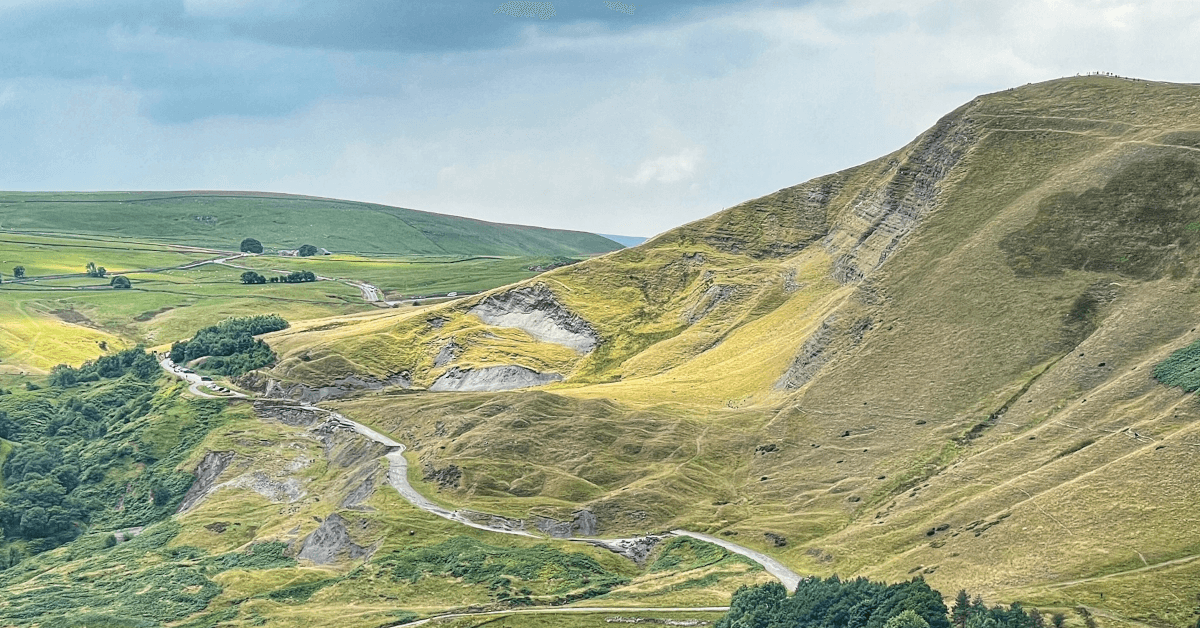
{"x": 967, "y": 364}
{"x": 941, "y": 362}
{"x": 222, "y": 219}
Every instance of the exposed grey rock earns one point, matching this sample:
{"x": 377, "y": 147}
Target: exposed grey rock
{"x": 296, "y": 416}
{"x": 492, "y": 521}
{"x": 536, "y": 311}
{"x": 364, "y": 488}
{"x": 210, "y": 468}
{"x": 637, "y": 548}
{"x": 447, "y": 354}
{"x": 329, "y": 542}
{"x": 341, "y": 388}
{"x": 586, "y": 523}
{"x": 448, "y": 477}
{"x": 491, "y": 378}
{"x": 714, "y": 296}
{"x": 553, "y": 527}
{"x": 820, "y": 348}
{"x": 278, "y": 491}
{"x": 811, "y": 358}
{"x": 882, "y": 217}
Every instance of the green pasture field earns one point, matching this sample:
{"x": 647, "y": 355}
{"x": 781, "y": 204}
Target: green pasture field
{"x": 58, "y": 315}
{"x": 223, "y": 219}
{"x": 398, "y": 277}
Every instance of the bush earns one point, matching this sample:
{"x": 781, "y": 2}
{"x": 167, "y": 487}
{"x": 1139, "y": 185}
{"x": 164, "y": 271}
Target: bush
{"x": 1181, "y": 369}
{"x": 119, "y": 282}
{"x": 250, "y": 245}
{"x": 19, "y": 272}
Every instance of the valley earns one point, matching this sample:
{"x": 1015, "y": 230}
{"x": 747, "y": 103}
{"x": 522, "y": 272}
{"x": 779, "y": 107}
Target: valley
{"x": 967, "y": 365}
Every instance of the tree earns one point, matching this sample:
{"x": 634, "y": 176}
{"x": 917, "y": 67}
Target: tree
{"x": 907, "y": 619}
{"x": 962, "y": 608}
{"x": 19, "y": 272}
{"x": 251, "y": 277}
{"x": 95, "y": 271}
{"x": 250, "y": 245}
{"x": 120, "y": 282}
{"x": 307, "y": 250}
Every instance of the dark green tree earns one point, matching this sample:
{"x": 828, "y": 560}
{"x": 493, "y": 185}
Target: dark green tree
{"x": 250, "y": 245}
{"x": 307, "y": 250}
{"x": 19, "y": 272}
{"x": 251, "y": 277}
{"x": 961, "y": 609}
{"x": 120, "y": 282}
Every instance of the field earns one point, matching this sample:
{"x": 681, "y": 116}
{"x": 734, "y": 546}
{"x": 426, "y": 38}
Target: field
{"x": 58, "y": 315}
{"x": 222, "y": 219}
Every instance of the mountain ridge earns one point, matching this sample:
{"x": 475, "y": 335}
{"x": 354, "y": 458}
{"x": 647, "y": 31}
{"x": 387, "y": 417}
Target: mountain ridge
{"x": 905, "y": 306}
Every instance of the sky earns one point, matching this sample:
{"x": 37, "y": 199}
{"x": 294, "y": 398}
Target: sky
{"x": 613, "y": 117}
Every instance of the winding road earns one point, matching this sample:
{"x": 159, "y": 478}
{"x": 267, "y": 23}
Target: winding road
{"x": 397, "y": 478}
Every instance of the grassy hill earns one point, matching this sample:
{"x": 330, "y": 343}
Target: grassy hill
{"x": 939, "y": 362}
{"x": 280, "y": 221}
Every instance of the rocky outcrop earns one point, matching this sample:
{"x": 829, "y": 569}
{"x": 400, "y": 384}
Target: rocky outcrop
{"x": 637, "y": 548}
{"x": 343, "y": 387}
{"x": 813, "y": 355}
{"x": 583, "y": 523}
{"x": 447, "y": 477}
{"x": 330, "y": 542}
{"x": 492, "y": 378}
{"x": 296, "y": 416}
{"x": 825, "y": 343}
{"x": 536, "y": 311}
{"x": 714, "y": 296}
{"x": 447, "y": 354}
{"x": 210, "y": 468}
{"x": 881, "y": 217}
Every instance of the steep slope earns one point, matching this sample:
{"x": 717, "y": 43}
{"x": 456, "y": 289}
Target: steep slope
{"x": 938, "y": 362}
{"x": 222, "y": 219}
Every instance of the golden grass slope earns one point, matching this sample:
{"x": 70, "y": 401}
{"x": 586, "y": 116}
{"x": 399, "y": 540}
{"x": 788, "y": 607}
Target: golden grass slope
{"x": 938, "y": 362}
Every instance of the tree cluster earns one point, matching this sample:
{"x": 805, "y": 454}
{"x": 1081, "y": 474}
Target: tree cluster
{"x": 19, "y": 272}
{"x": 95, "y": 271}
{"x": 299, "y": 276}
{"x": 136, "y": 361}
{"x": 230, "y": 345}
{"x": 120, "y": 282}
{"x": 307, "y": 250}
{"x": 82, "y": 458}
{"x": 968, "y": 613}
{"x": 834, "y": 603}
{"x": 250, "y": 277}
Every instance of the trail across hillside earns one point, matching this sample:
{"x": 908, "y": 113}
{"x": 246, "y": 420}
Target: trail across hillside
{"x": 398, "y": 479}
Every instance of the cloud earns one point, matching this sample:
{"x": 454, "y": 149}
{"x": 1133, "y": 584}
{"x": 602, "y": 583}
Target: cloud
{"x": 593, "y": 119}
{"x": 670, "y": 168}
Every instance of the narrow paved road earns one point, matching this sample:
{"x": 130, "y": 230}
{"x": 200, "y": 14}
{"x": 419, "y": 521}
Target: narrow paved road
{"x": 398, "y": 479}
{"x": 197, "y": 383}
